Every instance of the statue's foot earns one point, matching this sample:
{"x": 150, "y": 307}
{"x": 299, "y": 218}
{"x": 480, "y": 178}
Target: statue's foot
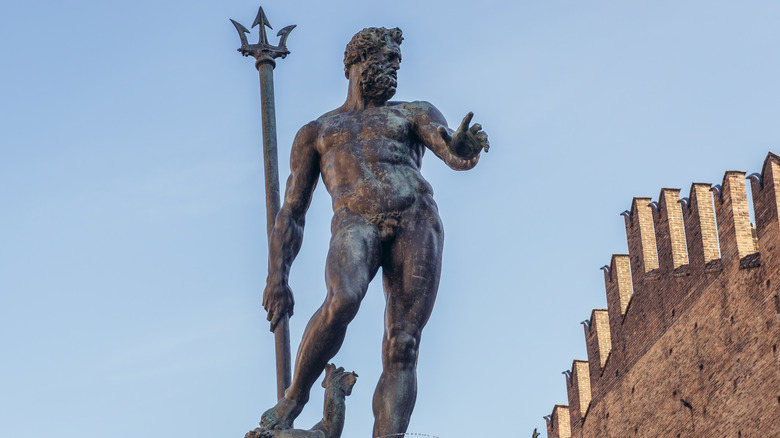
{"x": 281, "y": 416}
{"x": 287, "y": 433}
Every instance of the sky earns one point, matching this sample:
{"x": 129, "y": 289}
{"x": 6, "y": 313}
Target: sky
{"x": 132, "y": 235}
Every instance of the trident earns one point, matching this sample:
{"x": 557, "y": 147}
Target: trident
{"x": 265, "y": 55}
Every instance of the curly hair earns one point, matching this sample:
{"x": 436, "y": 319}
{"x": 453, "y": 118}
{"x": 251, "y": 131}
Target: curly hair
{"x": 366, "y": 42}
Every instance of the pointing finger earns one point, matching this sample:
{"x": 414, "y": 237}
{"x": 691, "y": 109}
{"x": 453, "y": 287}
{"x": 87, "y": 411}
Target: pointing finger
{"x": 464, "y": 125}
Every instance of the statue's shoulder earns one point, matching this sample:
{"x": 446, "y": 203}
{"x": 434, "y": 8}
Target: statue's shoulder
{"x": 419, "y": 104}
{"x": 308, "y": 132}
{"x": 413, "y": 105}
{"x": 328, "y": 115}
{"x": 424, "y": 112}
{"x": 419, "y": 107}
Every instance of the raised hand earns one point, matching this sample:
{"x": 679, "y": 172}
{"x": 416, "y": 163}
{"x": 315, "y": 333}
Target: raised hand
{"x": 465, "y": 142}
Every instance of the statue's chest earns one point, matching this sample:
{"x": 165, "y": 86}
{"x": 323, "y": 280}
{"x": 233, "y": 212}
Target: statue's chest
{"x": 369, "y": 127}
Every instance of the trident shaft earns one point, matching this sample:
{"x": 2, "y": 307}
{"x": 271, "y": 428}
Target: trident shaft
{"x": 265, "y": 55}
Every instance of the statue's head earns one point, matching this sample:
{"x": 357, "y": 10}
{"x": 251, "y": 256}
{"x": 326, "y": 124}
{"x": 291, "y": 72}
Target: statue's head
{"x": 377, "y": 51}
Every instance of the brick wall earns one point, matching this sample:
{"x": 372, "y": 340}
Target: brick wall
{"x": 687, "y": 346}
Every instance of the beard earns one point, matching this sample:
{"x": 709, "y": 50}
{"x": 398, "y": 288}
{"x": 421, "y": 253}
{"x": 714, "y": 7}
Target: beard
{"x": 378, "y": 82}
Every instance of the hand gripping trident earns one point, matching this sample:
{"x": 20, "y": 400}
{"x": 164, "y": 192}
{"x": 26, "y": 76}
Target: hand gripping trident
{"x": 265, "y": 55}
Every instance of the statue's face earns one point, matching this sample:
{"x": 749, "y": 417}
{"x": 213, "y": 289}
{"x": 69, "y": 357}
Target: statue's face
{"x": 378, "y": 80}
{"x": 390, "y": 55}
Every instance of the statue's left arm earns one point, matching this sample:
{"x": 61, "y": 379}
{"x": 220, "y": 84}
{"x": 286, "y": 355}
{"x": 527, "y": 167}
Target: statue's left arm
{"x": 459, "y": 149}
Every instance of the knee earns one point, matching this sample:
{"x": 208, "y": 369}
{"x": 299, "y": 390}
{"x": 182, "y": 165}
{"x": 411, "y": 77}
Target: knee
{"x": 341, "y": 307}
{"x": 402, "y": 348}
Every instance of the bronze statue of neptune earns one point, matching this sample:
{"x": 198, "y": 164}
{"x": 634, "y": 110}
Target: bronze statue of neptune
{"x": 368, "y": 152}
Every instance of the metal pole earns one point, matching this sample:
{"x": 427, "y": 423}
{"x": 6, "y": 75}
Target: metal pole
{"x": 270, "y": 156}
{"x": 265, "y": 67}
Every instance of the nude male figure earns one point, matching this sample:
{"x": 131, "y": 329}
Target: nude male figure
{"x": 368, "y": 152}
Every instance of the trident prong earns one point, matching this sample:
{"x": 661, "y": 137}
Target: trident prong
{"x": 284, "y": 33}
{"x": 262, "y": 21}
{"x": 263, "y": 50}
{"x": 242, "y": 31}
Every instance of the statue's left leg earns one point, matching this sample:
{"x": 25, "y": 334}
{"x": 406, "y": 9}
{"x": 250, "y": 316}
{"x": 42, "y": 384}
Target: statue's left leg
{"x": 411, "y": 271}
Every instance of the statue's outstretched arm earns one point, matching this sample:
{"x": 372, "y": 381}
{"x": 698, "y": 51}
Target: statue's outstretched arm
{"x": 287, "y": 235}
{"x": 459, "y": 149}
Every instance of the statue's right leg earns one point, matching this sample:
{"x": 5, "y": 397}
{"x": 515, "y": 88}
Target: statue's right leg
{"x": 353, "y": 260}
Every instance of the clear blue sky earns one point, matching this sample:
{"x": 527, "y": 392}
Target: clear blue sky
{"x": 132, "y": 233}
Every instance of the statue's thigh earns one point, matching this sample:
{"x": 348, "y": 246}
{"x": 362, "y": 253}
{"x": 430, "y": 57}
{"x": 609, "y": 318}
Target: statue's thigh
{"x": 353, "y": 257}
{"x": 411, "y": 275}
